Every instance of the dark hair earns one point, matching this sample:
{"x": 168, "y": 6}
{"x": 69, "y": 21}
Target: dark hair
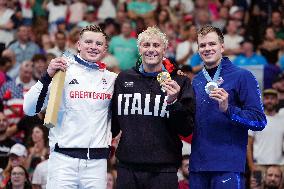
{"x": 93, "y": 28}
{"x": 208, "y": 29}
{"x": 45, "y": 135}
{"x": 186, "y": 68}
{"x": 4, "y": 60}
{"x": 185, "y": 157}
{"x": 38, "y": 57}
{"x": 60, "y": 33}
{"x": 27, "y": 184}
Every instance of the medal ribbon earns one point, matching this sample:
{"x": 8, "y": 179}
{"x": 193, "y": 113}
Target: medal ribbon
{"x": 150, "y": 74}
{"x": 92, "y": 65}
{"x": 216, "y": 75}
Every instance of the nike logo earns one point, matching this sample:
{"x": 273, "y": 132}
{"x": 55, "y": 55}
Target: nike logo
{"x": 223, "y": 181}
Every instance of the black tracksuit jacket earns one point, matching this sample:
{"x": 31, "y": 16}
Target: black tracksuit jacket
{"x": 150, "y": 128}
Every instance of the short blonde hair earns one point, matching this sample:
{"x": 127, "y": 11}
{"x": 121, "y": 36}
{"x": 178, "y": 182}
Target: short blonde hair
{"x": 150, "y": 32}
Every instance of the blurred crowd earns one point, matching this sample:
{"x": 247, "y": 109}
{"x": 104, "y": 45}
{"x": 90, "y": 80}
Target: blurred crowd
{"x": 32, "y": 32}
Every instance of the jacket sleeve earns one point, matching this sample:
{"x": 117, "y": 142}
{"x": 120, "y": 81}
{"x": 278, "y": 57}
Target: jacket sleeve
{"x": 250, "y": 114}
{"x": 183, "y": 110}
{"x": 35, "y": 100}
{"x": 115, "y": 128}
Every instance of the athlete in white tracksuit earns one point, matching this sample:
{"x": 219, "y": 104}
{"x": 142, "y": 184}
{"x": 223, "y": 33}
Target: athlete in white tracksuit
{"x": 80, "y": 141}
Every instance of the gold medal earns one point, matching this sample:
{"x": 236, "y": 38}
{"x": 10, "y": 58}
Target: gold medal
{"x": 162, "y": 77}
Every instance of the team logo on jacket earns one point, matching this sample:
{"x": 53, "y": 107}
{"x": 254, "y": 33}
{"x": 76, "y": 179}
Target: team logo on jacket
{"x": 220, "y": 81}
{"x": 128, "y": 84}
{"x": 104, "y": 83}
{"x": 135, "y": 104}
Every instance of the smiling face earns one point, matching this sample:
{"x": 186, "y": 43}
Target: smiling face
{"x": 37, "y": 134}
{"x": 152, "y": 50}
{"x": 210, "y": 49}
{"x": 18, "y": 176}
{"x": 92, "y": 46}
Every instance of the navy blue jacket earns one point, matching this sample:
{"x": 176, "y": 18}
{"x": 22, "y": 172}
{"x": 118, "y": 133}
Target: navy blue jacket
{"x": 220, "y": 139}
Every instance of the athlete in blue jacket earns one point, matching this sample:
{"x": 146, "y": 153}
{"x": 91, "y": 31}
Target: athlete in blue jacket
{"x": 228, "y": 103}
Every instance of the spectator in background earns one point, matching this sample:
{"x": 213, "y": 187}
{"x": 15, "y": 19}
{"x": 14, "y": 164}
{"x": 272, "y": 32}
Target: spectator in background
{"x": 249, "y": 57}
{"x": 38, "y": 149}
{"x": 107, "y": 9}
{"x": 17, "y": 156}
{"x": 76, "y": 12}
{"x": 140, "y": 8}
{"x": 8, "y": 53}
{"x": 89, "y": 18}
{"x": 39, "y": 66}
{"x": 273, "y": 178}
{"x": 57, "y": 9}
{"x": 27, "y": 13}
{"x": 45, "y": 43}
{"x": 184, "y": 168}
{"x": 266, "y": 147}
{"x": 6, "y": 24}
{"x": 111, "y": 27}
{"x": 12, "y": 94}
{"x": 39, "y": 179}
{"x": 39, "y": 28}
{"x": 73, "y": 37}
{"x": 232, "y": 40}
{"x": 202, "y": 18}
{"x": 121, "y": 14}
{"x": 5, "y": 65}
{"x": 187, "y": 71}
{"x": 124, "y": 48}
{"x": 25, "y": 126}
{"x": 19, "y": 179}
{"x": 188, "y": 47}
{"x": 270, "y": 46}
{"x": 23, "y": 48}
{"x": 38, "y": 10}
{"x": 270, "y": 49}
{"x": 277, "y": 24}
{"x": 5, "y": 142}
{"x": 278, "y": 84}
{"x": 61, "y": 26}
{"x": 60, "y": 45}
{"x": 223, "y": 18}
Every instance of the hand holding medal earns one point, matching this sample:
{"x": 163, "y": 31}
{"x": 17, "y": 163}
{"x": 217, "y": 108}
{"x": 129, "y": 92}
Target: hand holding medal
{"x": 162, "y": 77}
{"x": 169, "y": 86}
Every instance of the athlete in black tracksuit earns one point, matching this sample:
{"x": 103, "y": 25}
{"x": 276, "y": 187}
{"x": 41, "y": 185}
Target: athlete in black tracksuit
{"x": 149, "y": 151}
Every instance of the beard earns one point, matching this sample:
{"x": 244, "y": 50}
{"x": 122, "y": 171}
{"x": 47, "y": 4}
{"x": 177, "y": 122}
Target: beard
{"x": 270, "y": 108}
{"x": 271, "y": 186}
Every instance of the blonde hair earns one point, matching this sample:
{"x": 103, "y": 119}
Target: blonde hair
{"x": 150, "y": 32}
